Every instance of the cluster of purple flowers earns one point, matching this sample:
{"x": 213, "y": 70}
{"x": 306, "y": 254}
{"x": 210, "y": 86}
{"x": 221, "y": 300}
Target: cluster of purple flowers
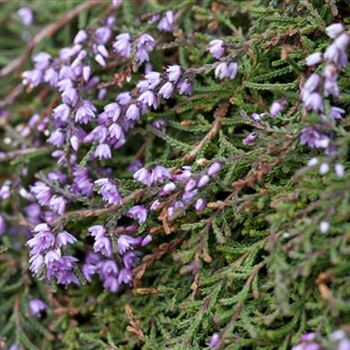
{"x": 224, "y": 69}
{"x": 191, "y": 184}
{"x": 124, "y": 45}
{"x": 165, "y": 22}
{"x": 113, "y": 272}
{"x": 26, "y": 15}
{"x": 338, "y": 340}
{"x": 46, "y": 256}
{"x": 320, "y": 86}
{"x": 76, "y": 123}
{"x": 36, "y": 307}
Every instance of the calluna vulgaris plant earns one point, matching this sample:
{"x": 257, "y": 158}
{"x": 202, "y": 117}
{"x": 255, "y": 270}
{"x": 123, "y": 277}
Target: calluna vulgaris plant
{"x": 173, "y": 174}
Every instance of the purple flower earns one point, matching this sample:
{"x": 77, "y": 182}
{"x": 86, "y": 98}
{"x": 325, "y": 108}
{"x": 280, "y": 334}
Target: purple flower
{"x": 2, "y": 225}
{"x": 248, "y": 140}
{"x": 126, "y": 242}
{"x": 216, "y": 48}
{"x": 334, "y": 30}
{"x": 337, "y": 112}
{"x": 147, "y": 240}
{"x": 313, "y": 138}
{"x": 116, "y": 3}
{"x": 336, "y": 55}
{"x": 200, "y": 204}
{"x": 221, "y": 71}
{"x": 102, "y": 35}
{"x": 64, "y": 238}
{"x": 214, "y": 169}
{"x": 331, "y": 88}
{"x": 324, "y": 227}
{"x": 97, "y": 231}
{"x": 312, "y": 83}
{"x": 100, "y": 60}
{"x": 232, "y": 70}
{"x": 57, "y": 204}
{"x": 139, "y": 213}
{"x": 324, "y": 168}
{"x": 159, "y": 124}
{"x": 5, "y": 190}
{"x": 70, "y": 97}
{"x": 41, "y": 192}
{"x": 51, "y": 77}
{"x": 337, "y": 335}
{"x": 339, "y": 170}
{"x": 159, "y": 174}
{"x": 116, "y": 132}
{"x": 149, "y": 99}
{"x": 135, "y": 165}
{"x": 154, "y": 18}
{"x": 85, "y": 112}
{"x": 277, "y": 107}
{"x": 108, "y": 191}
{"x": 204, "y": 180}
{"x": 80, "y": 37}
{"x": 143, "y": 175}
{"x": 185, "y": 87}
{"x": 88, "y": 271}
{"x": 313, "y": 59}
{"x": 189, "y": 195}
{"x": 330, "y": 72}
{"x": 36, "y": 263}
{"x": 101, "y": 49}
{"x": 61, "y": 268}
{"x": 62, "y": 112}
{"x": 122, "y": 45}
{"x": 190, "y": 185}
{"x": 166, "y": 23}
{"x": 15, "y": 347}
{"x": 130, "y": 259}
{"x": 74, "y": 141}
{"x": 314, "y": 102}
{"x": 124, "y": 98}
{"x": 57, "y": 138}
{"x": 112, "y": 111}
{"x": 125, "y": 276}
{"x": 26, "y": 15}
{"x": 342, "y": 42}
{"x": 81, "y": 182}
{"x": 168, "y": 188}
{"x": 32, "y": 77}
{"x": 174, "y": 73}
{"x": 109, "y": 268}
{"x": 103, "y": 151}
{"x": 166, "y": 90}
{"x": 42, "y": 60}
{"x": 155, "y": 205}
{"x": 86, "y": 73}
{"x": 214, "y": 340}
{"x": 98, "y": 134}
{"x": 153, "y": 79}
{"x": 144, "y": 44}
{"x": 344, "y": 344}
{"x": 103, "y": 245}
{"x": 42, "y": 240}
{"x": 133, "y": 112}
{"x": 36, "y": 307}
{"x": 111, "y": 283}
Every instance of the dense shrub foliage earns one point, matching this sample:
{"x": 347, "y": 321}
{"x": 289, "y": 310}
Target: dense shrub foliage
{"x": 173, "y": 174}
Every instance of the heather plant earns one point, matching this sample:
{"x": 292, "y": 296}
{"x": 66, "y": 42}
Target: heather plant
{"x": 174, "y": 174}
